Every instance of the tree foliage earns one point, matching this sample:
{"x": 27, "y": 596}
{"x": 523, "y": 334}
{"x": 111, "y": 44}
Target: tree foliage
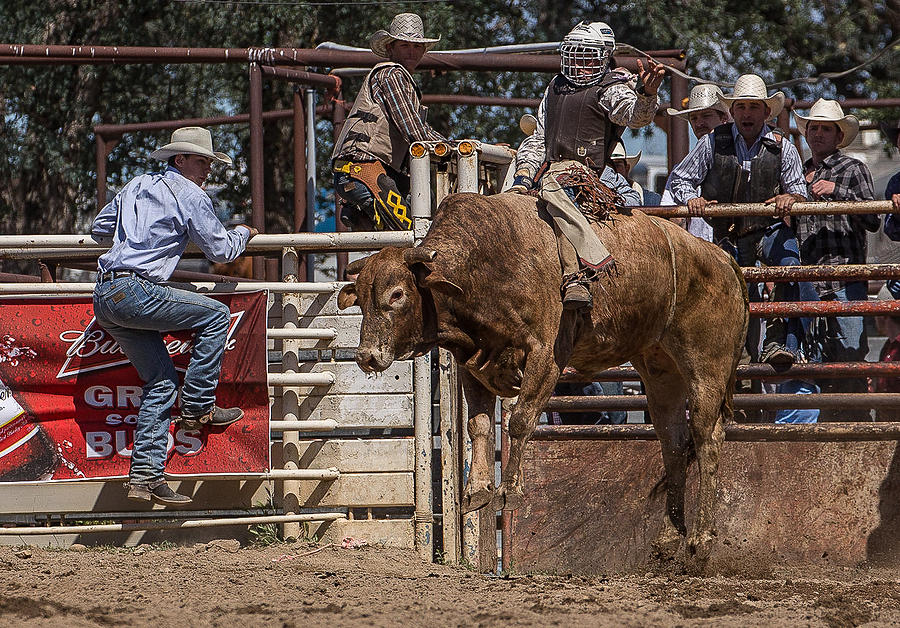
{"x": 47, "y": 162}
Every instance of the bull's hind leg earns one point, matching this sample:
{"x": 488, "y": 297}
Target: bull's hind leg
{"x": 479, "y": 489}
{"x": 667, "y": 402}
{"x": 705, "y": 403}
{"x": 538, "y": 380}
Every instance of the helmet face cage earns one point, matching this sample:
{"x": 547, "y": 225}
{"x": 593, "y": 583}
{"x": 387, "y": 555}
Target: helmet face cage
{"x": 586, "y": 51}
{"x": 583, "y": 65}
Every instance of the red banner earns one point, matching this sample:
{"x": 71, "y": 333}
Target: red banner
{"x": 69, "y": 397}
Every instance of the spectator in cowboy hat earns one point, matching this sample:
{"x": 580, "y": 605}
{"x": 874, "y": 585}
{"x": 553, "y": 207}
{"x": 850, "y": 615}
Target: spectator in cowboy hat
{"x": 151, "y": 220}
{"x": 623, "y": 164}
{"x": 836, "y": 238}
{"x": 371, "y": 155}
{"x": 891, "y": 130}
{"x": 748, "y": 161}
{"x": 704, "y": 112}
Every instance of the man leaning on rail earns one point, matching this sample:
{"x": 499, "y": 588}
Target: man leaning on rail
{"x": 748, "y": 161}
{"x": 836, "y": 238}
{"x": 371, "y": 155}
{"x": 151, "y": 220}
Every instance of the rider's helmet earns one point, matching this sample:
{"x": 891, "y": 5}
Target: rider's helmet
{"x": 586, "y": 51}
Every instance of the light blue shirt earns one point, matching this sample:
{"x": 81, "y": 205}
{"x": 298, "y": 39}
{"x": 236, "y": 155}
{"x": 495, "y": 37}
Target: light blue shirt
{"x": 151, "y": 221}
{"x": 619, "y": 184}
{"x": 688, "y": 175}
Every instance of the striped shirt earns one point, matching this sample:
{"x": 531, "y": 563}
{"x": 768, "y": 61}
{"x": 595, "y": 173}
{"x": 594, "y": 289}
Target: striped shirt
{"x": 837, "y": 238}
{"x": 688, "y": 176}
{"x": 399, "y": 99}
{"x": 624, "y": 106}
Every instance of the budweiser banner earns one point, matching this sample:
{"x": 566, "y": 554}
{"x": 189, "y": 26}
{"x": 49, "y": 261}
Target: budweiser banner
{"x": 69, "y": 397}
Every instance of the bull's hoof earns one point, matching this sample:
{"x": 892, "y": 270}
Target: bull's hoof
{"x": 477, "y": 499}
{"x": 700, "y": 545}
{"x": 508, "y": 498}
{"x": 666, "y": 545}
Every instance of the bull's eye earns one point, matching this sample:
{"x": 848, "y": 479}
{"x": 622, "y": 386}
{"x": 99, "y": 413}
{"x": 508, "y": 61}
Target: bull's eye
{"x": 396, "y": 295}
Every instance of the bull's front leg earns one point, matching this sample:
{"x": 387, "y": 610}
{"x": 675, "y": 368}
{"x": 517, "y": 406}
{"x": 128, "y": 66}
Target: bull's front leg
{"x": 479, "y": 490}
{"x": 538, "y": 381}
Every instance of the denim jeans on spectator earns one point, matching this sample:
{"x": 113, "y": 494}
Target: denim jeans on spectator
{"x": 799, "y": 415}
{"x": 843, "y": 339}
{"x": 135, "y": 311}
{"x": 593, "y": 389}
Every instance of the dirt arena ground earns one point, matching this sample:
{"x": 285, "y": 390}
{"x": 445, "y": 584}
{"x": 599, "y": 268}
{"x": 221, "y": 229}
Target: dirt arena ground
{"x": 222, "y": 584}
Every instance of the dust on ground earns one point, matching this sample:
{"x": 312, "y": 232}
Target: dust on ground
{"x": 223, "y": 584}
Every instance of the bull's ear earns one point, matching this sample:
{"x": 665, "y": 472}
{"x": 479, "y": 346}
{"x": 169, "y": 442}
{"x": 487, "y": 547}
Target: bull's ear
{"x": 347, "y": 296}
{"x": 438, "y": 283}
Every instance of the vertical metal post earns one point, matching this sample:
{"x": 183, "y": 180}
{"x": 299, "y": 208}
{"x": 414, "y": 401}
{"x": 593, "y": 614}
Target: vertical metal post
{"x": 470, "y": 531}
{"x": 310, "y": 177}
{"x": 337, "y": 123}
{"x": 424, "y": 516}
{"x": 101, "y": 170}
{"x": 678, "y": 129}
{"x": 420, "y": 185}
{"x": 449, "y": 457}
{"x": 299, "y": 170}
{"x": 290, "y": 400}
{"x": 467, "y": 173}
{"x": 257, "y": 198}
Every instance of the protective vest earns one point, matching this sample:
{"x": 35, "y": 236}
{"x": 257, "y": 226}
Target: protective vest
{"x": 727, "y": 182}
{"x": 576, "y": 126}
{"x": 368, "y": 130}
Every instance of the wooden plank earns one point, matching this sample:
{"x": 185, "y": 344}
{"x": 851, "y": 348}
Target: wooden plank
{"x": 376, "y": 411}
{"x": 61, "y": 497}
{"x": 353, "y": 456}
{"x": 386, "y": 532}
{"x": 350, "y": 379}
{"x": 359, "y": 490}
{"x": 323, "y": 304}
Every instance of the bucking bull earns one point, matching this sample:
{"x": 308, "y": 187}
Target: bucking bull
{"x": 485, "y": 284}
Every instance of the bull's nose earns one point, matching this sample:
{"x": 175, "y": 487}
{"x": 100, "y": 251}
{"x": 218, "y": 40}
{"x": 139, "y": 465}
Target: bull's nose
{"x": 368, "y": 361}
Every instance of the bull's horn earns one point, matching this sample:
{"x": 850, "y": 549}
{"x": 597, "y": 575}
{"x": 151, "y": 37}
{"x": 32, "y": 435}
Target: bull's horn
{"x": 418, "y": 254}
{"x": 355, "y": 266}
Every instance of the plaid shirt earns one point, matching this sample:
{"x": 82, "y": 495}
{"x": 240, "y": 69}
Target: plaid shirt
{"x": 397, "y": 96}
{"x": 837, "y": 238}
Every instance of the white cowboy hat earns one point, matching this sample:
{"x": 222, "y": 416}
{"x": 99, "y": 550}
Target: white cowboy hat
{"x": 618, "y": 152}
{"x": 404, "y": 27}
{"x": 752, "y": 87}
{"x": 703, "y": 96}
{"x": 190, "y": 140}
{"x": 830, "y": 111}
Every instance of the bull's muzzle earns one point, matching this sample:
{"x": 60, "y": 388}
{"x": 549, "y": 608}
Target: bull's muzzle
{"x": 373, "y": 360}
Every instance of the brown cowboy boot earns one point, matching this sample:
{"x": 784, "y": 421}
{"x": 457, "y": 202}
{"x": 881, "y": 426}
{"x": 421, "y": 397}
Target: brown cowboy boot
{"x": 576, "y": 296}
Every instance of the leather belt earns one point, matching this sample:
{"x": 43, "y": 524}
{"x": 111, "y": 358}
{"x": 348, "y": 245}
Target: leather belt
{"x": 115, "y": 274}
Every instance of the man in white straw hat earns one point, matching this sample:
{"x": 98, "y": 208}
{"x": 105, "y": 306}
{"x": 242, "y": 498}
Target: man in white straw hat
{"x": 749, "y": 162}
{"x": 370, "y": 160}
{"x": 623, "y": 164}
{"x": 836, "y": 238}
{"x": 581, "y": 116}
{"x": 151, "y": 220}
{"x": 704, "y": 112}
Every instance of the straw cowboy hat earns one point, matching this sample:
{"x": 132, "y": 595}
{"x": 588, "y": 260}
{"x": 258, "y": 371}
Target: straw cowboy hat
{"x": 752, "y": 87}
{"x": 618, "y": 152}
{"x": 891, "y": 130}
{"x": 190, "y": 140}
{"x": 404, "y": 27}
{"x": 830, "y": 111}
{"x": 703, "y": 96}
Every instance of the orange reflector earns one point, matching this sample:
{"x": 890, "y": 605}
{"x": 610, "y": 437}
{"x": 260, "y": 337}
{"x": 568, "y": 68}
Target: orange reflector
{"x": 466, "y": 148}
{"x": 417, "y": 150}
{"x": 441, "y": 149}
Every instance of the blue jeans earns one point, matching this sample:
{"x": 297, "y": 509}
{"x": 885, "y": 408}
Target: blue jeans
{"x": 798, "y": 415}
{"x": 777, "y": 246}
{"x": 135, "y": 311}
